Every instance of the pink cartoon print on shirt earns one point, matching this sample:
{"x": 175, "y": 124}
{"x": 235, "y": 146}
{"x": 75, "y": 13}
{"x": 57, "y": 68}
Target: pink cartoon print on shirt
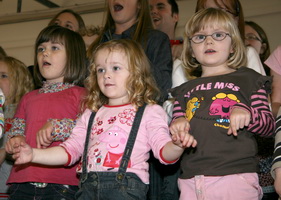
{"x": 222, "y": 103}
{"x": 116, "y": 140}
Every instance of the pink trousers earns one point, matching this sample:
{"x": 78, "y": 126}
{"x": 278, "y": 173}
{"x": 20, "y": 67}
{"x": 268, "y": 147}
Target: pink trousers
{"x": 230, "y": 187}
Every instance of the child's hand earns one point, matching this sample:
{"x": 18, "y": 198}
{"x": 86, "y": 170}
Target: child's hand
{"x": 12, "y": 142}
{"x": 239, "y": 118}
{"x": 179, "y": 126}
{"x": 277, "y": 182}
{"x": 43, "y": 137}
{"x": 180, "y": 133}
{"x": 184, "y": 140}
{"x": 22, "y": 153}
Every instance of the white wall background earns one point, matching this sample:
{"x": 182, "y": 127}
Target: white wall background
{"x": 18, "y": 38}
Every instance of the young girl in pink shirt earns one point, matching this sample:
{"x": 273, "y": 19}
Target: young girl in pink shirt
{"x": 120, "y": 84}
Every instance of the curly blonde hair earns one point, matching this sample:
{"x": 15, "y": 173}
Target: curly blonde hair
{"x": 141, "y": 85}
{"x": 20, "y": 79}
{"x": 212, "y": 17}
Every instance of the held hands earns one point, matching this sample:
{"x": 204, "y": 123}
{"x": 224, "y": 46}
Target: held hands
{"x": 12, "y": 142}
{"x": 22, "y": 153}
{"x": 239, "y": 118}
{"x": 180, "y": 133}
{"x": 43, "y": 137}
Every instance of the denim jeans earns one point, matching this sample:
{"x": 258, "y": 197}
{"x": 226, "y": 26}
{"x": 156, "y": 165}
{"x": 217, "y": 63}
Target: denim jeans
{"x": 105, "y": 186}
{"x": 26, "y": 191}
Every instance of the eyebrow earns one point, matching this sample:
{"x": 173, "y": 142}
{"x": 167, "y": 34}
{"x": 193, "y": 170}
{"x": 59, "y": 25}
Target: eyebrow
{"x": 160, "y": 4}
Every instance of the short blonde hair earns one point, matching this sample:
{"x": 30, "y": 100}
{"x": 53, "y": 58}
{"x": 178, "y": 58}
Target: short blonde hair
{"x": 215, "y": 18}
{"x": 20, "y": 79}
{"x": 141, "y": 85}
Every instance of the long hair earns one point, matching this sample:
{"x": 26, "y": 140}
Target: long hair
{"x": 141, "y": 85}
{"x": 75, "y": 70}
{"x": 231, "y": 6}
{"x": 213, "y": 18}
{"x": 20, "y": 79}
{"x": 143, "y": 24}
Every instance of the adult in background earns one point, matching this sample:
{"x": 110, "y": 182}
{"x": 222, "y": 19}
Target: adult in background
{"x": 256, "y": 37}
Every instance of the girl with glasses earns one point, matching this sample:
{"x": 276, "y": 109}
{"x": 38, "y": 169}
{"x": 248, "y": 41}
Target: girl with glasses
{"x": 234, "y": 9}
{"x": 223, "y": 109}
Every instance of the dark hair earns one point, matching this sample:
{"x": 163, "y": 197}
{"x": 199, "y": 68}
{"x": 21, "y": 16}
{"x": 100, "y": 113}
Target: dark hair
{"x": 233, "y": 6}
{"x": 175, "y": 8}
{"x": 79, "y": 19}
{"x": 75, "y": 70}
{"x": 174, "y": 5}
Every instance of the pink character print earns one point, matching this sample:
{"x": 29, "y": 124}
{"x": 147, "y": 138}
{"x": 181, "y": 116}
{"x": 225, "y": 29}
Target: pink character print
{"x": 116, "y": 140}
{"x": 222, "y": 104}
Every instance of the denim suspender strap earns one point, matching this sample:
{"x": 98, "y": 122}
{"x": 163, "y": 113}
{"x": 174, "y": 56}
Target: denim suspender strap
{"x": 128, "y": 150}
{"x": 84, "y": 174}
{"x": 130, "y": 144}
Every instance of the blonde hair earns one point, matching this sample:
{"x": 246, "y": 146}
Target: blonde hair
{"x": 214, "y": 18}
{"x": 141, "y": 85}
{"x": 20, "y": 79}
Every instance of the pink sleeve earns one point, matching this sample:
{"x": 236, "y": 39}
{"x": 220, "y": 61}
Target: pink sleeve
{"x": 74, "y": 145}
{"x": 158, "y": 130}
{"x": 274, "y": 60}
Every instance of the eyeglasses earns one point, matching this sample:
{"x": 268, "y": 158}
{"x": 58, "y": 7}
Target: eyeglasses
{"x": 252, "y": 37}
{"x": 218, "y": 36}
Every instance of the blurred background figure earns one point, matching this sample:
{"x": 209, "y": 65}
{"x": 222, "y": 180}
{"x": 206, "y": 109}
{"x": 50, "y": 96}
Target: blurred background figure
{"x": 256, "y": 37}
{"x": 69, "y": 19}
{"x": 15, "y": 81}
{"x": 91, "y": 34}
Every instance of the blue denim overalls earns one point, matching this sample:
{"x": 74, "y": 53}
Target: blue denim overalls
{"x": 113, "y": 185}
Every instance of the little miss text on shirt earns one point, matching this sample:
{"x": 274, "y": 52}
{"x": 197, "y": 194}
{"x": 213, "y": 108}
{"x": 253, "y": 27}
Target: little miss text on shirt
{"x": 210, "y": 86}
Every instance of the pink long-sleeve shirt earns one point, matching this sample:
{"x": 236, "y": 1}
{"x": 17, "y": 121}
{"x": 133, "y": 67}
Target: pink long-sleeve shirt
{"x": 110, "y": 132}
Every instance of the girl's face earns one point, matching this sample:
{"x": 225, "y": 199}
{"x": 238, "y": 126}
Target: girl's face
{"x": 67, "y": 20}
{"x": 112, "y": 75}
{"x": 4, "y": 79}
{"x": 212, "y": 54}
{"x": 51, "y": 59}
{"x": 124, "y": 12}
{"x": 253, "y": 39}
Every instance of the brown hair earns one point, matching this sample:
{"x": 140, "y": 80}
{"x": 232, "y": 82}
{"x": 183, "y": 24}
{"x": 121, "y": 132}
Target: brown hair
{"x": 75, "y": 70}
{"x": 143, "y": 23}
{"x": 81, "y": 24}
